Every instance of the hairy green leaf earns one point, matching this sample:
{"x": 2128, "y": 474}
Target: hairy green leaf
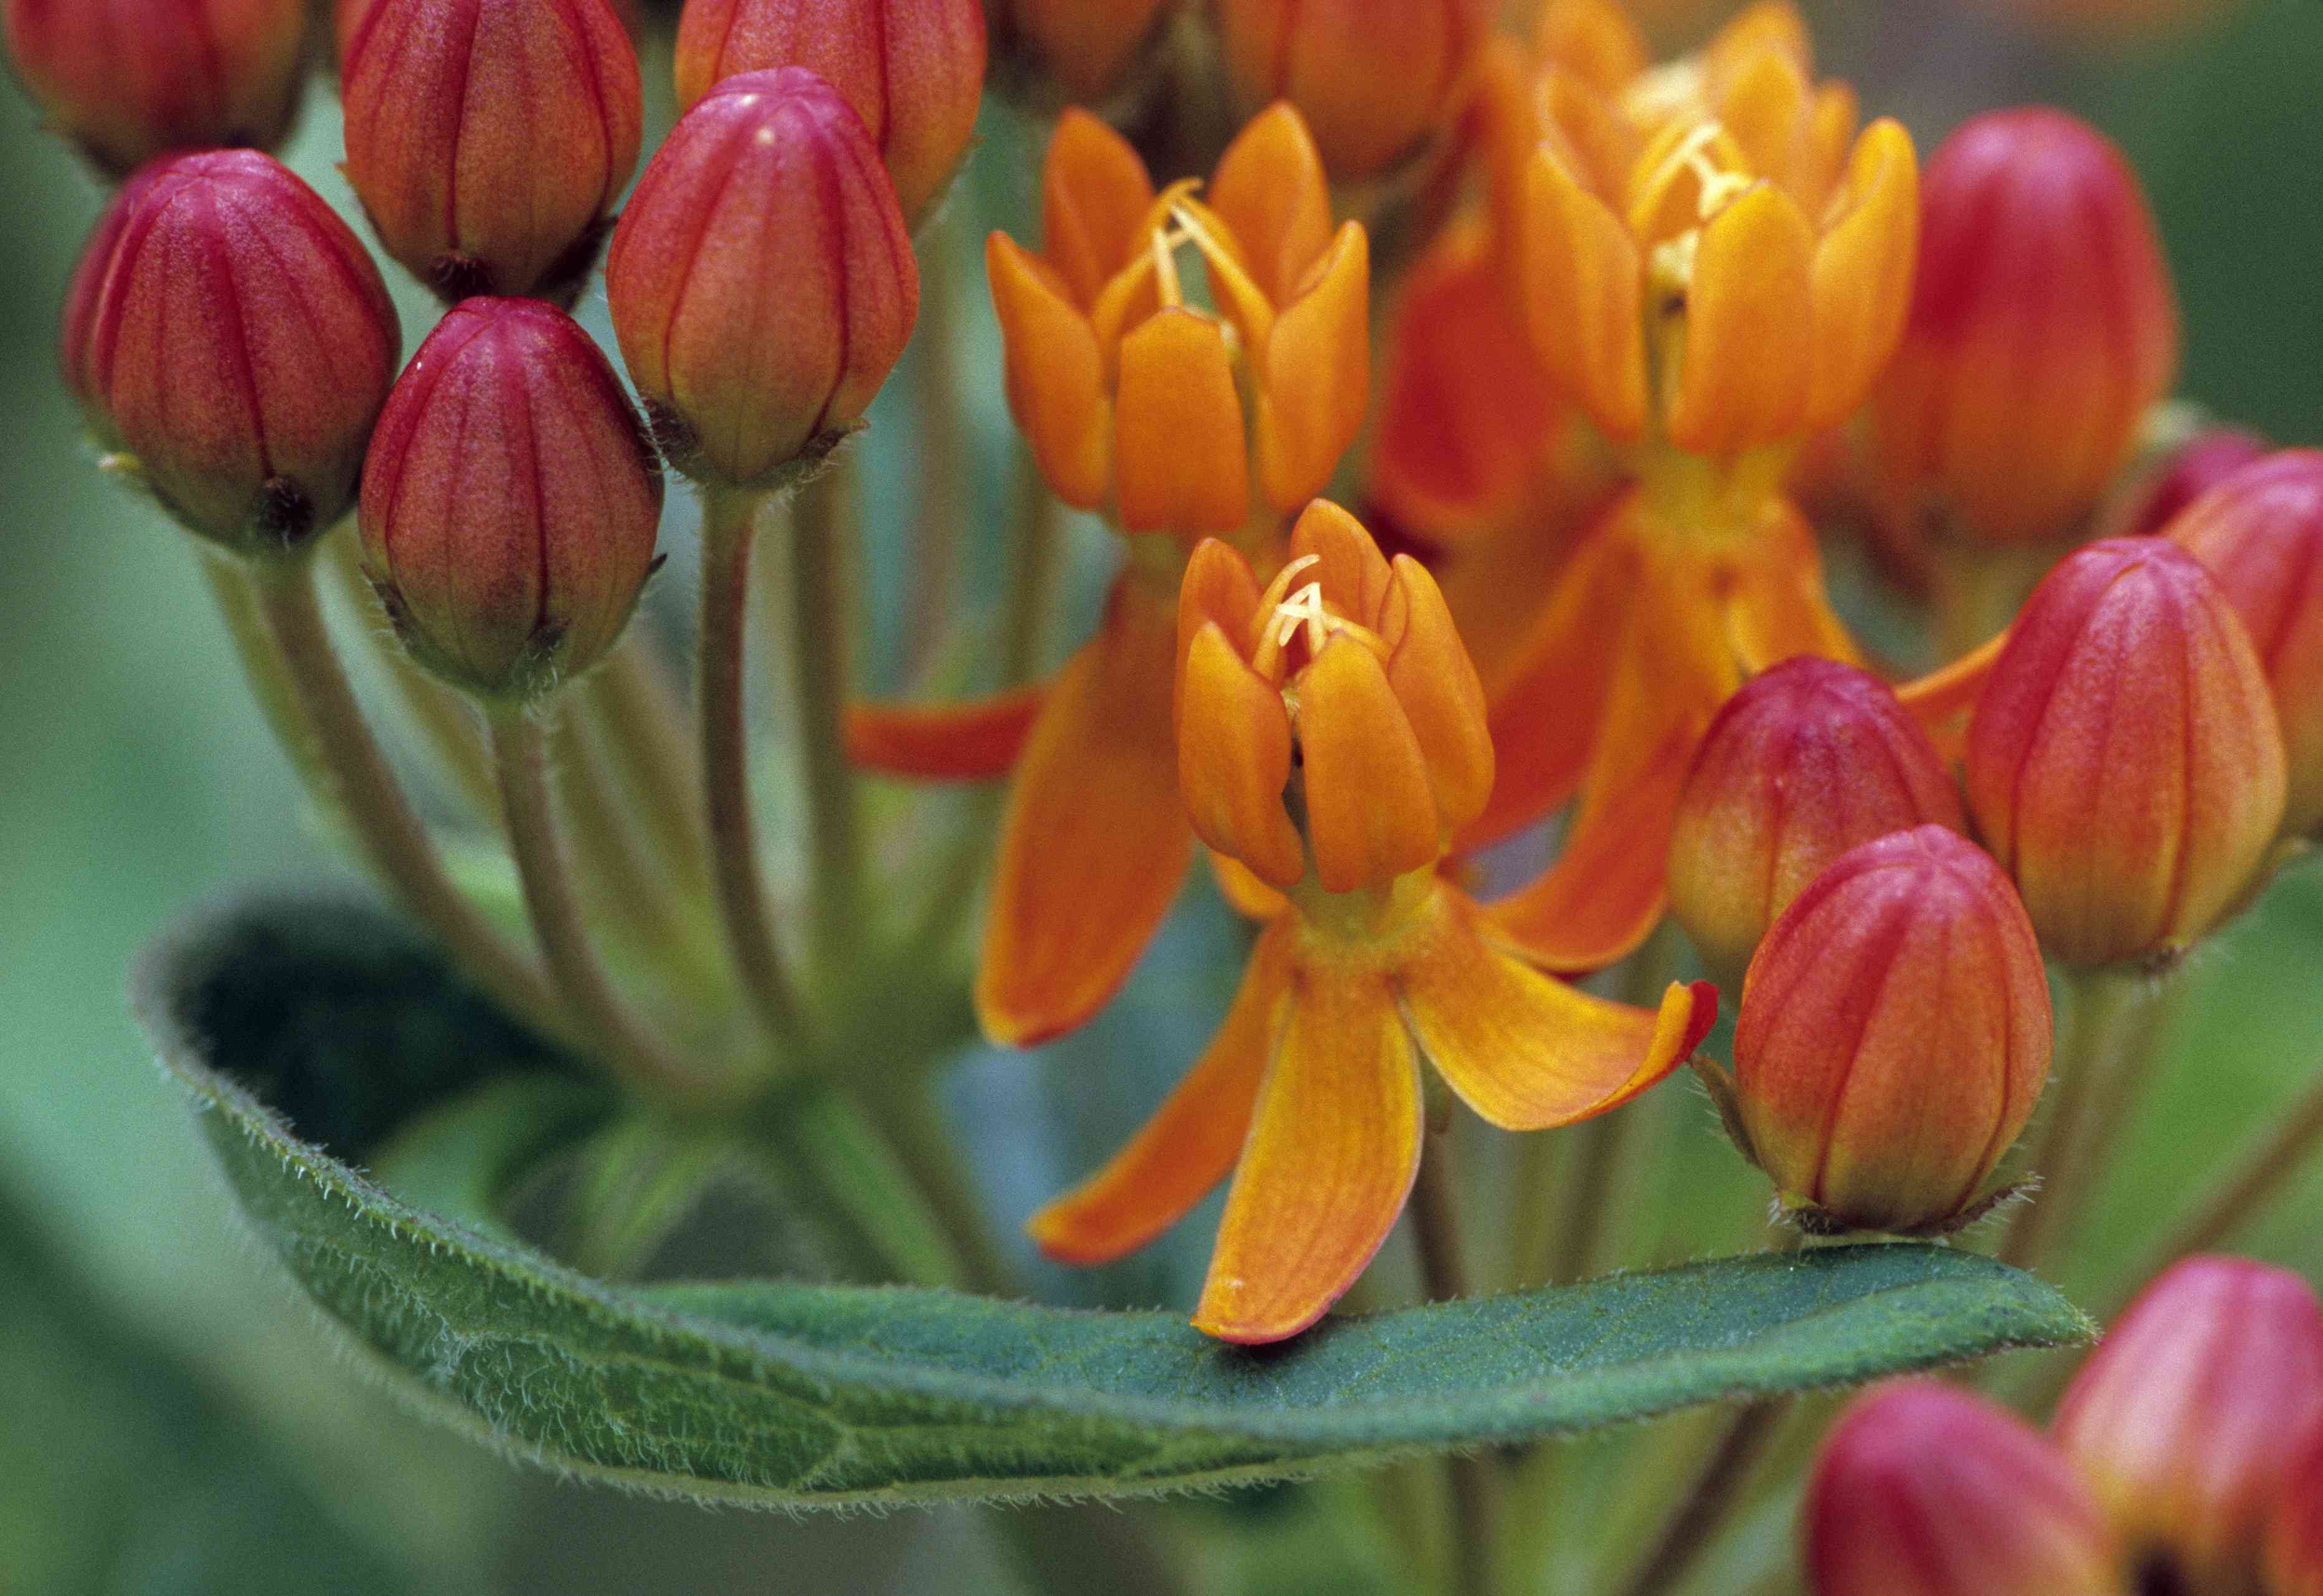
{"x": 811, "y": 1395}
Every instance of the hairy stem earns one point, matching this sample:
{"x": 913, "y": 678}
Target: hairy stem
{"x": 818, "y": 641}
{"x": 905, "y": 1112}
{"x": 649, "y": 728}
{"x": 2108, "y": 1001}
{"x": 444, "y": 722}
{"x": 943, "y": 488}
{"x": 622, "y": 876}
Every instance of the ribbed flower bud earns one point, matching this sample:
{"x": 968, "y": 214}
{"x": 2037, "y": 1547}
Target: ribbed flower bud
{"x": 347, "y": 16}
{"x": 2124, "y": 762}
{"x": 2182, "y": 476}
{"x": 2042, "y": 325}
{"x": 761, "y": 277}
{"x": 1895, "y": 1034}
{"x": 1925, "y": 1490}
{"x": 489, "y": 139}
{"x": 1807, "y": 761}
{"x": 1076, "y": 50}
{"x": 2259, "y": 534}
{"x": 2185, "y": 1419}
{"x": 2294, "y": 1535}
{"x": 130, "y": 80}
{"x": 76, "y": 325}
{"x": 913, "y": 71}
{"x": 1373, "y": 79}
{"x": 510, "y": 501}
{"x": 238, "y": 345}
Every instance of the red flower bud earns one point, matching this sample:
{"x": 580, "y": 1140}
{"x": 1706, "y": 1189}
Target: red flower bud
{"x": 77, "y": 328}
{"x": 1924, "y": 1490}
{"x": 489, "y": 140}
{"x": 2185, "y": 1419}
{"x": 2294, "y": 1536}
{"x": 761, "y": 279}
{"x": 1895, "y": 1034}
{"x": 913, "y": 71}
{"x": 1086, "y": 46}
{"x": 2183, "y": 475}
{"x": 239, "y": 344}
{"x": 2260, "y": 533}
{"x": 2124, "y": 762}
{"x": 348, "y": 15}
{"x": 1807, "y": 761}
{"x": 2042, "y": 325}
{"x": 131, "y": 79}
{"x": 1373, "y": 77}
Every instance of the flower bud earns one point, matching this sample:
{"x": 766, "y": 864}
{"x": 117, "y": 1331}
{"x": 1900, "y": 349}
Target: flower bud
{"x": 2042, "y": 325}
{"x": 130, "y": 80}
{"x": 1895, "y": 1034}
{"x": 1924, "y": 1490}
{"x": 489, "y": 140}
{"x": 1807, "y": 761}
{"x": 511, "y": 501}
{"x": 2294, "y": 1536}
{"x": 761, "y": 279}
{"x": 913, "y": 71}
{"x": 77, "y": 326}
{"x": 347, "y": 16}
{"x": 2124, "y": 762}
{"x": 1085, "y": 47}
{"x": 2185, "y": 1419}
{"x": 2259, "y": 534}
{"x": 238, "y": 345}
{"x": 1373, "y": 79}
{"x": 2180, "y": 476}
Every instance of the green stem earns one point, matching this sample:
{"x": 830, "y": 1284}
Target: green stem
{"x": 1034, "y": 566}
{"x": 904, "y": 1110}
{"x": 623, "y": 878}
{"x": 649, "y": 729}
{"x": 1473, "y": 1481}
{"x": 943, "y": 488}
{"x": 266, "y": 671}
{"x": 819, "y": 650}
{"x": 445, "y": 723}
{"x": 1717, "y": 1489}
{"x": 2108, "y": 1001}
{"x": 1077, "y": 1549}
{"x": 859, "y": 1180}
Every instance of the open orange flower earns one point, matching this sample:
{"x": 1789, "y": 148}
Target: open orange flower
{"x": 1134, "y": 401}
{"x": 1331, "y": 739}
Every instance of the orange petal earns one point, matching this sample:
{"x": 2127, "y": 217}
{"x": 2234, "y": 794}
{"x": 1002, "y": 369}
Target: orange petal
{"x": 1747, "y": 335}
{"x": 1317, "y": 380}
{"x": 1094, "y": 196}
{"x": 1863, "y": 270}
{"x": 1245, "y": 892}
{"x": 1764, "y": 107}
{"x": 1180, "y": 464}
{"x": 1271, "y": 192}
{"x": 1333, "y": 1149}
{"x": 1594, "y": 40}
{"x": 1055, "y": 374}
{"x": 1219, "y": 590}
{"x": 1095, "y": 842}
{"x": 1233, "y": 759}
{"x": 973, "y": 741}
{"x": 1583, "y": 296}
{"x": 1768, "y": 25}
{"x": 1370, "y": 812}
{"x": 1777, "y": 606}
{"x": 1355, "y": 579}
{"x": 1941, "y": 701}
{"x": 1436, "y": 684}
{"x": 1193, "y": 1139}
{"x": 1526, "y": 1051}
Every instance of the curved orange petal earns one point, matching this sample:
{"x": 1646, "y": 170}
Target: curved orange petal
{"x": 1776, "y": 606}
{"x": 1863, "y": 269}
{"x": 1218, "y": 589}
{"x": 1180, "y": 464}
{"x": 975, "y": 739}
{"x": 1271, "y": 192}
{"x": 1593, "y": 38}
{"x": 1093, "y": 199}
{"x": 1355, "y": 576}
{"x": 1764, "y": 106}
{"x": 1941, "y": 700}
{"x": 1583, "y": 295}
{"x": 1317, "y": 382}
{"x": 1767, "y": 25}
{"x": 1334, "y": 1146}
{"x": 1245, "y": 892}
{"x": 1233, "y": 759}
{"x": 1526, "y": 1051}
{"x": 1055, "y": 374}
{"x": 1436, "y": 682}
{"x": 1095, "y": 842}
{"x": 1743, "y": 383}
{"x": 1370, "y": 815}
{"x": 1192, "y": 1141}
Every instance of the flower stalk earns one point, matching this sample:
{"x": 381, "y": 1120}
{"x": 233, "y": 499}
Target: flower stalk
{"x": 2109, "y": 1003}
{"x": 818, "y": 644}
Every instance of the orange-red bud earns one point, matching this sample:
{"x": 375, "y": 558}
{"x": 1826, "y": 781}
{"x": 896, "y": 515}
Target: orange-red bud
{"x": 2042, "y": 325}
{"x": 1925, "y": 1490}
{"x": 761, "y": 279}
{"x": 2185, "y": 1419}
{"x": 2124, "y": 762}
{"x": 238, "y": 342}
{"x": 2181, "y": 477}
{"x": 2260, "y": 533}
{"x": 2294, "y": 1536}
{"x": 1808, "y": 760}
{"x": 130, "y": 80}
{"x": 1087, "y": 47}
{"x": 1373, "y": 79}
{"x": 1895, "y": 1034}
{"x": 913, "y": 71}
{"x": 511, "y": 501}
{"x": 489, "y": 140}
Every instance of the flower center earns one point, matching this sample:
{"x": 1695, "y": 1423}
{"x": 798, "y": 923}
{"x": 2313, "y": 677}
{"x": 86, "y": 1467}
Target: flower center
{"x": 1299, "y": 622}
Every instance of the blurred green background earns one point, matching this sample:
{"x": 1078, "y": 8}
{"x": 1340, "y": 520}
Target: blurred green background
{"x": 172, "y": 1420}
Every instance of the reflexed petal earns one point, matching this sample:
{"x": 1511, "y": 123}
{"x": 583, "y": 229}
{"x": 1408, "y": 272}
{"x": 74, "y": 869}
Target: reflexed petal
{"x": 1245, "y": 892}
{"x": 1863, "y": 269}
{"x": 1180, "y": 464}
{"x": 1095, "y": 842}
{"x": 1583, "y": 296}
{"x": 1776, "y": 606}
{"x": 1233, "y": 759}
{"x": 1436, "y": 684}
{"x": 1317, "y": 376}
{"x": 1370, "y": 812}
{"x": 1192, "y": 1141}
{"x": 1094, "y": 196}
{"x": 1271, "y": 192}
{"x": 1056, "y": 374}
{"x": 1354, "y": 575}
{"x": 1333, "y": 1150}
{"x": 1941, "y": 700}
{"x": 971, "y": 740}
{"x": 1748, "y": 337}
{"x": 1526, "y": 1051}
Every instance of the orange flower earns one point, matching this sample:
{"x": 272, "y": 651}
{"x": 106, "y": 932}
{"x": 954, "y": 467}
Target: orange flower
{"x": 1330, "y": 741}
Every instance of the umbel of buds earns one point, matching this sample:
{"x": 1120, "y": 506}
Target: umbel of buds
{"x": 235, "y": 344}
{"x": 1895, "y": 1036}
{"x": 1370, "y": 76}
{"x": 510, "y": 501}
{"x": 761, "y": 279}
{"x": 1810, "y": 759}
{"x": 488, "y": 139}
{"x": 131, "y": 79}
{"x": 913, "y": 71}
{"x": 2124, "y": 762}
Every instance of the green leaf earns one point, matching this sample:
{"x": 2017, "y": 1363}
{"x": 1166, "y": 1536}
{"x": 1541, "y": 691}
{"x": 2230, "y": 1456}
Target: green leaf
{"x": 814, "y": 1395}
